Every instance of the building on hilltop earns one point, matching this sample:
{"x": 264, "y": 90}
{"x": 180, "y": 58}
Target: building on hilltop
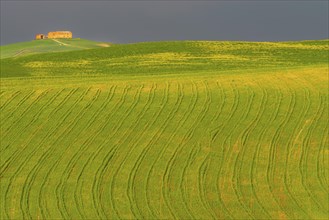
{"x": 40, "y": 36}
{"x": 60, "y": 34}
{"x": 54, "y": 35}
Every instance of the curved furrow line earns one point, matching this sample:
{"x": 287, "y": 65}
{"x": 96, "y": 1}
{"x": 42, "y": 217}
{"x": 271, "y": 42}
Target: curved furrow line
{"x": 165, "y": 180}
{"x": 185, "y": 138}
{"x": 99, "y": 131}
{"x": 101, "y": 128}
{"x": 273, "y": 153}
{"x": 20, "y": 167}
{"x": 232, "y": 149}
{"x": 260, "y": 111}
{"x": 235, "y": 179}
{"x": 189, "y": 161}
{"x": 321, "y": 148}
{"x": 220, "y": 110}
{"x": 200, "y": 116}
{"x": 112, "y": 153}
{"x": 233, "y": 109}
{"x": 8, "y": 101}
{"x": 156, "y": 137}
{"x": 26, "y": 110}
{"x": 1, "y": 93}
{"x": 50, "y": 101}
{"x": 133, "y": 204}
{"x": 212, "y": 136}
{"x": 290, "y": 142}
{"x": 323, "y": 178}
{"x": 63, "y": 102}
{"x": 179, "y": 123}
{"x": 215, "y": 131}
{"x": 100, "y": 172}
{"x": 132, "y": 174}
{"x": 132, "y": 128}
{"x": 17, "y": 152}
{"x": 4, "y": 133}
{"x": 135, "y": 123}
{"x": 3, "y": 148}
{"x": 31, "y": 123}
{"x": 76, "y": 157}
{"x": 202, "y": 172}
{"x": 25, "y": 202}
{"x": 303, "y": 162}
{"x": 67, "y": 132}
{"x": 43, "y": 157}
{"x": 14, "y": 110}
{"x": 119, "y": 141}
{"x": 272, "y": 159}
{"x": 102, "y": 169}
{"x": 190, "y": 134}
{"x": 80, "y": 115}
{"x": 320, "y": 175}
{"x": 183, "y": 182}
{"x": 27, "y": 142}
{"x": 256, "y": 155}
{"x": 244, "y": 137}
{"x": 69, "y": 128}
{"x": 37, "y": 115}
{"x": 97, "y": 204}
{"x": 38, "y": 129}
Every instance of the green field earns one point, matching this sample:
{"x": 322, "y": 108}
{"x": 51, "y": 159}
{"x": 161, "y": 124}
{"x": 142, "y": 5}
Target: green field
{"x": 48, "y": 45}
{"x": 167, "y": 130}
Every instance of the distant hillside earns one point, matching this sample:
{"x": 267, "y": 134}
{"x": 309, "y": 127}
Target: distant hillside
{"x": 167, "y": 58}
{"x": 167, "y": 130}
{"x": 48, "y": 45}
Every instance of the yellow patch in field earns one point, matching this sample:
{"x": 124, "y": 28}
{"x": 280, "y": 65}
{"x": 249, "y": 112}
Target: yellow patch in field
{"x": 148, "y": 59}
{"x": 226, "y": 57}
{"x": 170, "y": 58}
{"x": 103, "y": 45}
{"x": 48, "y": 64}
{"x": 224, "y": 46}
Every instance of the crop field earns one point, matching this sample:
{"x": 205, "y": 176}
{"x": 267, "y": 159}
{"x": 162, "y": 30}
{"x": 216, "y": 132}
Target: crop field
{"x": 47, "y": 45}
{"x": 190, "y": 130}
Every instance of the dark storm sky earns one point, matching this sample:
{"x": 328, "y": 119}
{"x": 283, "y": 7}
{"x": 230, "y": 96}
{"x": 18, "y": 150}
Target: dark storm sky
{"x": 134, "y": 21}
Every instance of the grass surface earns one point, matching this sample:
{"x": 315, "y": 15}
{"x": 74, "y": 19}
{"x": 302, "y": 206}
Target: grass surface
{"x": 231, "y": 130}
{"x": 46, "y": 46}
{"x": 170, "y": 58}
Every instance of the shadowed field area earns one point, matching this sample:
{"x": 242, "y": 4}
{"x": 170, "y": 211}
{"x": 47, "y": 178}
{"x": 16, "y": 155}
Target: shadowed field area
{"x": 226, "y": 131}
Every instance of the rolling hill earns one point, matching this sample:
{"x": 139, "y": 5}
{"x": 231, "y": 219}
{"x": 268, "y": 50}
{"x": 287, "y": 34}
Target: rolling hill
{"x": 48, "y": 45}
{"x": 167, "y": 130}
{"x": 169, "y": 58}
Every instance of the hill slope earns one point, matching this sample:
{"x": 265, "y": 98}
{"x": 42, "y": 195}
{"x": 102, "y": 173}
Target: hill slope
{"x": 47, "y": 45}
{"x": 242, "y": 135}
{"x": 170, "y": 57}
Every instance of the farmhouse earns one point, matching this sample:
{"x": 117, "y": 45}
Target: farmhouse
{"x": 54, "y": 35}
{"x": 60, "y": 34}
{"x": 40, "y": 36}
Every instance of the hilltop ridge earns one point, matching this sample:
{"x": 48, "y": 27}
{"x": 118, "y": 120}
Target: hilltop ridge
{"x": 167, "y": 57}
{"x": 47, "y": 46}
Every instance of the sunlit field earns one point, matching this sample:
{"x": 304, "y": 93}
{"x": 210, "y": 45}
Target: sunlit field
{"x": 166, "y": 130}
